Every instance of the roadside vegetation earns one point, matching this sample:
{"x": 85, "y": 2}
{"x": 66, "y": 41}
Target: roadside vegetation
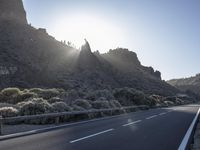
{"x": 15, "y": 101}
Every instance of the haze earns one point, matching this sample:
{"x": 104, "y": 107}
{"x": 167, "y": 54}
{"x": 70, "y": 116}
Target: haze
{"x": 164, "y": 33}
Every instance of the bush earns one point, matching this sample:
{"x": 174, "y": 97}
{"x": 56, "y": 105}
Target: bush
{"x": 82, "y": 103}
{"x": 35, "y": 106}
{"x": 61, "y": 107}
{"x": 7, "y": 105}
{"x": 8, "y": 112}
{"x": 8, "y": 92}
{"x": 114, "y": 104}
{"x": 174, "y": 99}
{"x": 100, "y": 93}
{"x": 70, "y": 96}
{"x": 168, "y": 103}
{"x": 77, "y": 108}
{"x": 130, "y": 96}
{"x": 14, "y": 95}
{"x": 55, "y": 99}
{"x": 157, "y": 98}
{"x": 100, "y": 104}
{"x": 10, "y": 95}
{"x": 24, "y": 96}
{"x": 45, "y": 93}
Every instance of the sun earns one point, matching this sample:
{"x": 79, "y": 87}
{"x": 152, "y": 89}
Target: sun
{"x": 101, "y": 34}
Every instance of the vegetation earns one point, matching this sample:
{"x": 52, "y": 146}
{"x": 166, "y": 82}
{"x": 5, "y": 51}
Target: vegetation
{"x": 14, "y": 101}
{"x": 8, "y": 112}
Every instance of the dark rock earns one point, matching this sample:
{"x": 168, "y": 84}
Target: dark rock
{"x": 30, "y": 57}
{"x": 12, "y": 10}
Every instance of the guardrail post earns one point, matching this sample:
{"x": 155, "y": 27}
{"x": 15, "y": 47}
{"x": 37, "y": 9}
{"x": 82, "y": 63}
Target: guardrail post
{"x": 1, "y": 125}
{"x": 57, "y": 120}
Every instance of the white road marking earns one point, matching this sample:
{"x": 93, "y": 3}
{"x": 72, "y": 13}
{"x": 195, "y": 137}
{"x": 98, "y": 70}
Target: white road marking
{"x": 89, "y": 136}
{"x": 128, "y": 124}
{"x": 169, "y": 111}
{"x": 162, "y": 114}
{"x": 186, "y": 138}
{"x": 152, "y": 117}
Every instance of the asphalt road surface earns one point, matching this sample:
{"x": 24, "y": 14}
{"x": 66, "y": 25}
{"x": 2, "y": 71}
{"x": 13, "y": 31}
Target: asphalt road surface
{"x": 156, "y": 129}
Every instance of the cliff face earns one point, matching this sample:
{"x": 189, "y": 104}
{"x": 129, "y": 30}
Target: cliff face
{"x": 30, "y": 57}
{"x": 12, "y": 10}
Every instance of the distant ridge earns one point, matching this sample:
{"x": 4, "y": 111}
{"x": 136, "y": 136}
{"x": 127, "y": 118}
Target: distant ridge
{"x": 187, "y": 84}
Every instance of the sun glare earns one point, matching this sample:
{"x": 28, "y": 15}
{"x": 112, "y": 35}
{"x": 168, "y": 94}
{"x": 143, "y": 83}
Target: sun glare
{"x": 101, "y": 34}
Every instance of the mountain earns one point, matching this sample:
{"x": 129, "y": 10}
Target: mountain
{"x": 191, "y": 84}
{"x": 30, "y": 57}
{"x": 12, "y": 10}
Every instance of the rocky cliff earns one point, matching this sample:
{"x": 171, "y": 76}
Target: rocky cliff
{"x": 12, "y": 10}
{"x": 30, "y": 57}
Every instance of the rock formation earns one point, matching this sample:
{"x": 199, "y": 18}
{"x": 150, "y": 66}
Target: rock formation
{"x": 29, "y": 57}
{"x": 12, "y": 10}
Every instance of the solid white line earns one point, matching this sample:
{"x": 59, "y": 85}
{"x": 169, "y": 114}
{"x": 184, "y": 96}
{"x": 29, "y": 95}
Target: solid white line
{"x": 131, "y": 123}
{"x": 152, "y": 117}
{"x": 162, "y": 114}
{"x": 186, "y": 138}
{"x": 89, "y": 136}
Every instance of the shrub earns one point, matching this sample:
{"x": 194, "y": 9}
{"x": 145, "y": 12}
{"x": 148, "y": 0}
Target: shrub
{"x": 114, "y": 104}
{"x": 157, "y": 98}
{"x": 70, "y": 96}
{"x": 100, "y": 104}
{"x": 95, "y": 95}
{"x": 8, "y": 92}
{"x": 130, "y": 96}
{"x": 55, "y": 99}
{"x": 168, "y": 103}
{"x": 61, "y": 107}
{"x": 174, "y": 99}
{"x": 35, "y": 106}
{"x": 77, "y": 108}
{"x": 8, "y": 112}
{"x": 24, "y": 96}
{"x": 7, "y": 105}
{"x": 10, "y": 95}
{"x": 45, "y": 93}
{"x": 14, "y": 95}
{"x": 82, "y": 103}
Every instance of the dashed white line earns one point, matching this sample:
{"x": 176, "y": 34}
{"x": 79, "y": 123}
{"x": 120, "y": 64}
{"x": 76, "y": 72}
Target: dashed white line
{"x": 152, "y": 117}
{"x": 89, "y": 136}
{"x": 128, "y": 124}
{"x": 169, "y": 111}
{"x": 162, "y": 114}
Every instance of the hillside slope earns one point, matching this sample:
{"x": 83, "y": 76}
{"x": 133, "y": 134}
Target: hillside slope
{"x": 30, "y": 57}
{"x": 187, "y": 84}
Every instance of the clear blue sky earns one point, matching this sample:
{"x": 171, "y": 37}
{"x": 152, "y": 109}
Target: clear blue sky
{"x": 164, "y": 33}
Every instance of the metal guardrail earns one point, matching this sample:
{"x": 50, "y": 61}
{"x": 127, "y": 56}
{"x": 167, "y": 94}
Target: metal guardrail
{"x": 60, "y": 114}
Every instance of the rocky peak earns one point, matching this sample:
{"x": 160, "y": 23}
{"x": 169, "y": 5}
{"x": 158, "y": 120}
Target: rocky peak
{"x": 86, "y": 47}
{"x": 12, "y": 10}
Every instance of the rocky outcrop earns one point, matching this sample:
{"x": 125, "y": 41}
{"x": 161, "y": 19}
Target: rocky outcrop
{"x": 12, "y": 10}
{"x": 30, "y": 57}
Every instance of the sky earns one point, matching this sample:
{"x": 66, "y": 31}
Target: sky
{"x": 165, "y": 34}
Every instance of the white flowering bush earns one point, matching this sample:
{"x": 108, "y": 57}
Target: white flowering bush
{"x": 8, "y": 112}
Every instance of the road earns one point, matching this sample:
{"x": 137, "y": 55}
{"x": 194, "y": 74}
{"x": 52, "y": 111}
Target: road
{"x": 155, "y": 129}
